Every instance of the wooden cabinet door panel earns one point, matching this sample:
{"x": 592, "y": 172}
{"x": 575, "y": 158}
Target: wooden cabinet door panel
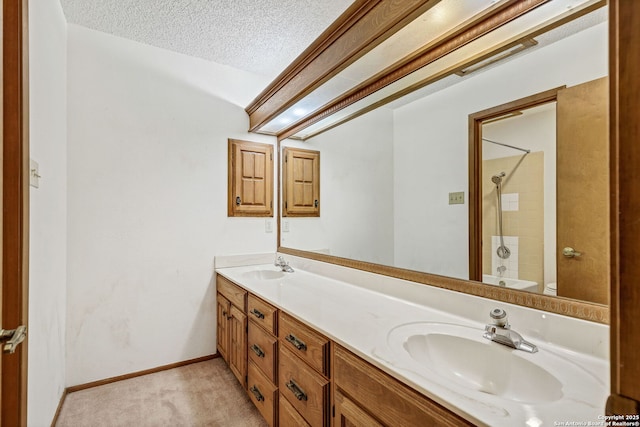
{"x": 348, "y": 414}
{"x": 250, "y": 179}
{"x": 390, "y": 401}
{"x": 301, "y": 182}
{"x": 222, "y": 332}
{"x": 238, "y": 344}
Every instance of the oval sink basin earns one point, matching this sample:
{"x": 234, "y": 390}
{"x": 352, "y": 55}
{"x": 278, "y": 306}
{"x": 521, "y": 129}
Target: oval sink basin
{"x": 264, "y": 275}
{"x": 459, "y": 354}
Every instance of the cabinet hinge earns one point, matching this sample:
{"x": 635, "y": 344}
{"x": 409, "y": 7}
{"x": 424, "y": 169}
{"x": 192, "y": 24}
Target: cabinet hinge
{"x": 286, "y": 205}
{"x": 271, "y": 156}
{"x": 333, "y": 410}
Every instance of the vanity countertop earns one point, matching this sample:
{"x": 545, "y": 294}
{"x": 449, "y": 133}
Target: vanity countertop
{"x": 363, "y": 319}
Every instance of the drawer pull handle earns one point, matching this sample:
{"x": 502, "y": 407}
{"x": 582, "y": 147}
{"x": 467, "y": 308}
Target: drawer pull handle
{"x": 300, "y": 345}
{"x": 257, "y": 350}
{"x": 256, "y": 393}
{"x": 297, "y": 391}
{"x": 257, "y": 313}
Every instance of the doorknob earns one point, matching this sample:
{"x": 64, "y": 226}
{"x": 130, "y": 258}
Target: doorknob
{"x": 570, "y": 252}
{"x": 12, "y": 338}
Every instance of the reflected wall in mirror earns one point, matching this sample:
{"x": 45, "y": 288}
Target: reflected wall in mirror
{"x": 386, "y": 175}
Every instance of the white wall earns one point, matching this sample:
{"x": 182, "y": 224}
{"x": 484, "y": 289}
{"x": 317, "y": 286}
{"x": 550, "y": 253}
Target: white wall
{"x": 147, "y": 198}
{"x": 48, "y": 210}
{"x": 431, "y": 146}
{"x": 356, "y": 192}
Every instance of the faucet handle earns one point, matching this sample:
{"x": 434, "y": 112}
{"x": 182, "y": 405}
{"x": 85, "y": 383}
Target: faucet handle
{"x": 499, "y": 317}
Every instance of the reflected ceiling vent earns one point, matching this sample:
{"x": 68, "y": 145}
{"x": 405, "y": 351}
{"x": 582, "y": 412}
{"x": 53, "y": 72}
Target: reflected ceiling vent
{"x": 497, "y": 56}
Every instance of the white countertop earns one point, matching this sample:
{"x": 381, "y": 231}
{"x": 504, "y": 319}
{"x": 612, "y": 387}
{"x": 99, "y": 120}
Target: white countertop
{"x": 361, "y": 319}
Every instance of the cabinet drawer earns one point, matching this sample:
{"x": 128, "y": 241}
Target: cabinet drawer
{"x": 289, "y": 417}
{"x": 312, "y": 347}
{"x": 304, "y": 388}
{"x": 263, "y": 394}
{"x": 386, "y": 398}
{"x": 263, "y": 314}
{"x": 263, "y": 351}
{"x": 234, "y": 293}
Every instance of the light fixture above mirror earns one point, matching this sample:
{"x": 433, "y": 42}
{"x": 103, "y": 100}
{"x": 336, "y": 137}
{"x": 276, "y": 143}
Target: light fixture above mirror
{"x": 374, "y": 54}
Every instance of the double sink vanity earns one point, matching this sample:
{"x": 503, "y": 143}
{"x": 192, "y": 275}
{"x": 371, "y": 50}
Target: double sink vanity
{"x": 329, "y": 345}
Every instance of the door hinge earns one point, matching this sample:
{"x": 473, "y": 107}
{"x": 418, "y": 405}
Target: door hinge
{"x": 12, "y": 338}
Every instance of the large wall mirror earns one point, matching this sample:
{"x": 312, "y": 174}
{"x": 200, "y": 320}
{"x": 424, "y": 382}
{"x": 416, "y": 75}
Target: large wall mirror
{"x": 402, "y": 189}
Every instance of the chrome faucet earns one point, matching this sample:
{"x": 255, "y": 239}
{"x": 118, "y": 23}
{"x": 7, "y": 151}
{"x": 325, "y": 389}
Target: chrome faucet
{"x": 501, "y": 270}
{"x": 500, "y": 331}
{"x": 280, "y": 262}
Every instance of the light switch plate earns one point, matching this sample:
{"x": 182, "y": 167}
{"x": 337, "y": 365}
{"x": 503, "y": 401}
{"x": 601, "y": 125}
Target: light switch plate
{"x": 268, "y": 226}
{"x": 456, "y": 198}
{"x": 34, "y": 173}
{"x": 285, "y": 226}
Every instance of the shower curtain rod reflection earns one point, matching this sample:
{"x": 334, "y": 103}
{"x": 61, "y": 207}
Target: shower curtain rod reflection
{"x": 506, "y": 145}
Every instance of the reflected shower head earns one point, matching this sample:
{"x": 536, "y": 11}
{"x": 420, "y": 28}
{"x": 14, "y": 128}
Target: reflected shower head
{"x": 497, "y": 179}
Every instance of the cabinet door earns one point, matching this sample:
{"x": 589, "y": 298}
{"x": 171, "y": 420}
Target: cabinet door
{"x": 348, "y": 414}
{"x": 301, "y": 182}
{"x": 250, "y": 178}
{"x": 222, "y": 329}
{"x": 238, "y": 344}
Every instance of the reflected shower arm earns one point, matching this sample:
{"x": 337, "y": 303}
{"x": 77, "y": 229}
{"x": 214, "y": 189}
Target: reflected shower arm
{"x": 507, "y": 145}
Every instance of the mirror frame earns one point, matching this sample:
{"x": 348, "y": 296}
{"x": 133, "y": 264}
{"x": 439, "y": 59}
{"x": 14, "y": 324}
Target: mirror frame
{"x": 553, "y": 304}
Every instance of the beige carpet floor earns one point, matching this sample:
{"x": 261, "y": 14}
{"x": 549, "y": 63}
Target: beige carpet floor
{"x": 200, "y": 394}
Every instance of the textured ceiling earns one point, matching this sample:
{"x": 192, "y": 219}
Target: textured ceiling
{"x": 261, "y": 36}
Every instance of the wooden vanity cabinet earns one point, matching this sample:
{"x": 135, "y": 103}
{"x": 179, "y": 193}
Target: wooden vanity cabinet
{"x": 232, "y": 327}
{"x": 262, "y": 347}
{"x": 291, "y": 372}
{"x": 304, "y": 372}
{"x": 366, "y": 396}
